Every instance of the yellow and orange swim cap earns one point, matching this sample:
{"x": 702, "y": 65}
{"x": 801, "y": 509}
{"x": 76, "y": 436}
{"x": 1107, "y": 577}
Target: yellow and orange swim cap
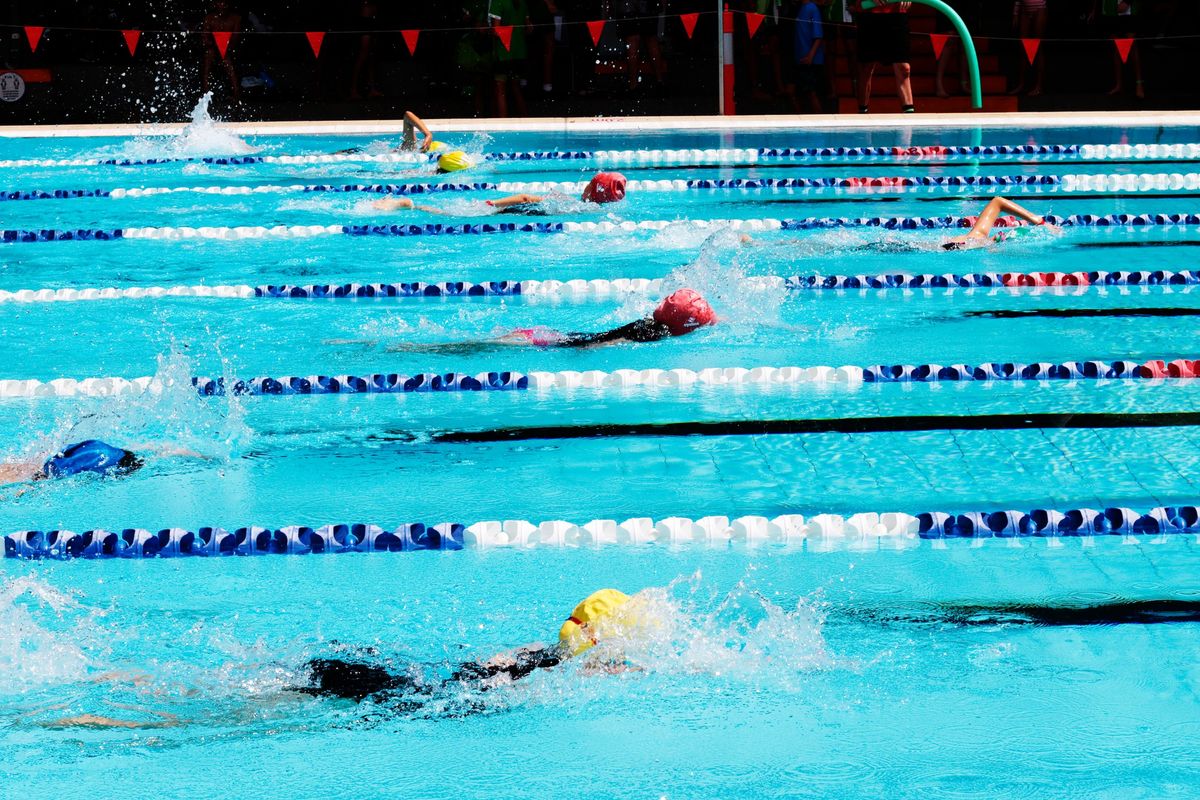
{"x": 579, "y": 633}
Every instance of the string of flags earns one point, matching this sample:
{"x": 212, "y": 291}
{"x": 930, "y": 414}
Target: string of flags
{"x": 595, "y": 28}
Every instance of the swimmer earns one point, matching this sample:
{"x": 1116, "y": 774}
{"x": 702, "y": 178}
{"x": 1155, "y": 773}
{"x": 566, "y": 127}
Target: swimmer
{"x": 980, "y": 234}
{"x": 679, "y": 314}
{"x": 604, "y": 187}
{"x": 603, "y": 615}
{"x": 408, "y": 142}
{"x": 413, "y": 123}
{"x": 91, "y": 456}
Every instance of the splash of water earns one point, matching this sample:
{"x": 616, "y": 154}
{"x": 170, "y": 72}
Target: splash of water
{"x": 31, "y": 652}
{"x": 203, "y": 136}
{"x": 746, "y": 636}
{"x": 743, "y": 305}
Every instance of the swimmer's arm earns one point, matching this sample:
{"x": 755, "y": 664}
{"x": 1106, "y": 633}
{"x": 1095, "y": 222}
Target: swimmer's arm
{"x": 1021, "y": 212}
{"x": 165, "y": 720}
{"x": 405, "y": 204}
{"x": 411, "y": 120}
{"x": 515, "y": 200}
{"x": 638, "y": 331}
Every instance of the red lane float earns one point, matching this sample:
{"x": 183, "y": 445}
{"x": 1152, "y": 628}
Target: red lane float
{"x": 1047, "y": 279}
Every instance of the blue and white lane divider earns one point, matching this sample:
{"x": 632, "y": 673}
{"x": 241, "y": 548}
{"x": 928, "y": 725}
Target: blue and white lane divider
{"x": 632, "y": 158}
{"x": 647, "y": 156}
{"x": 395, "y": 383}
{"x": 473, "y": 229}
{"x": 821, "y": 532}
{"x": 604, "y": 287}
{"x": 1142, "y": 182}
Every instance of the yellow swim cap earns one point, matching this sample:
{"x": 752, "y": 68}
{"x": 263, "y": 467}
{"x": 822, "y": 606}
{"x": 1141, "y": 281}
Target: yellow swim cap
{"x": 454, "y": 161}
{"x": 436, "y": 147}
{"x": 578, "y": 633}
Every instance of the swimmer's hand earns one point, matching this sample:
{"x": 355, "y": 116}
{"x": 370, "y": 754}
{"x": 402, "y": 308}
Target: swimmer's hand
{"x": 393, "y": 203}
{"x": 967, "y": 242}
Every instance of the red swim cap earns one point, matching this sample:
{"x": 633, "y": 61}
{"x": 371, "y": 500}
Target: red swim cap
{"x": 605, "y": 187}
{"x": 684, "y": 311}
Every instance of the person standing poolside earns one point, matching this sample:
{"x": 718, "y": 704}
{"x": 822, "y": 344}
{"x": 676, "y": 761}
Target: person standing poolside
{"x": 883, "y": 38}
{"x": 810, "y": 56}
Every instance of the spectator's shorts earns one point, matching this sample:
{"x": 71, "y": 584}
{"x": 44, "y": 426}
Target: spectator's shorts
{"x": 810, "y": 78}
{"x": 883, "y": 38}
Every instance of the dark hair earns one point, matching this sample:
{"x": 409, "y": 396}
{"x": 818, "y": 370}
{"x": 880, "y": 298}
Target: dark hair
{"x": 128, "y": 463}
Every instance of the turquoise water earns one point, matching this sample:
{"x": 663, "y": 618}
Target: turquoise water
{"x": 878, "y": 670}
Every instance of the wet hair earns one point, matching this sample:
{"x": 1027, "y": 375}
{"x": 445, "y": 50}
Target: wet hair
{"x": 129, "y": 463}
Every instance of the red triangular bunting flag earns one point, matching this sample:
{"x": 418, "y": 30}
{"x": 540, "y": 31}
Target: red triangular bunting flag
{"x": 314, "y": 41}
{"x": 410, "y": 39}
{"x": 938, "y": 40}
{"x": 1031, "y": 47}
{"x": 34, "y": 34}
{"x": 222, "y": 40}
{"x": 131, "y": 40}
{"x": 753, "y": 21}
{"x": 505, "y": 34}
{"x": 1123, "y": 47}
{"x": 689, "y": 23}
{"x": 596, "y": 28}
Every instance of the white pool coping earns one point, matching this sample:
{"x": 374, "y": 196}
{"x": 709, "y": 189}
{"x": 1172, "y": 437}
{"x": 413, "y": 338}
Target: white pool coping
{"x": 1031, "y": 120}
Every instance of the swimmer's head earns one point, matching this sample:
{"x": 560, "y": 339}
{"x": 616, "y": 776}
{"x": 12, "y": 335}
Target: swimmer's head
{"x": 91, "y": 456}
{"x": 684, "y": 311}
{"x": 454, "y": 161}
{"x": 605, "y": 187}
{"x": 435, "y": 147}
{"x": 587, "y": 623}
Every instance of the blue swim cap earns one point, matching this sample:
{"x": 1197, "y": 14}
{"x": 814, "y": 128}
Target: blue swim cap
{"x": 91, "y": 456}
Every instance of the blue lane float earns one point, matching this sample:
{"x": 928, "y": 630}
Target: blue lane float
{"x": 438, "y": 229}
{"x": 820, "y": 532}
{"x": 747, "y": 184}
{"x": 643, "y": 156}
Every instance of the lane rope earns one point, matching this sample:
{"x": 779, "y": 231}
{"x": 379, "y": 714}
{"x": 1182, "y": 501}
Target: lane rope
{"x": 1139, "y": 182}
{"x": 647, "y": 156}
{"x": 1074, "y": 153}
{"x": 603, "y": 287}
{"x": 492, "y": 381}
{"x": 820, "y": 532}
{"x": 439, "y": 229}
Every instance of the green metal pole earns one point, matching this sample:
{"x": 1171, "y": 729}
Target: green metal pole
{"x": 963, "y": 33}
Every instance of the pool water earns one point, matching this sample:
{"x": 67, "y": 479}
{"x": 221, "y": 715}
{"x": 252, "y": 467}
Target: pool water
{"x": 895, "y": 666}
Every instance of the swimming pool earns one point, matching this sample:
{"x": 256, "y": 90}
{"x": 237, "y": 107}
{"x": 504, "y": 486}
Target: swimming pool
{"x": 863, "y": 588}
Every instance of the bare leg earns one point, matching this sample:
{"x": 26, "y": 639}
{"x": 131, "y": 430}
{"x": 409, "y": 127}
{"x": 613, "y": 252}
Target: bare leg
{"x": 547, "y": 59}
{"x": 1135, "y": 59}
{"x": 500, "y": 96}
{"x": 1038, "y": 26}
{"x": 903, "y": 73}
{"x": 865, "y": 72}
{"x": 234, "y": 87}
{"x": 947, "y": 52}
{"x": 656, "y": 60}
{"x": 635, "y": 45}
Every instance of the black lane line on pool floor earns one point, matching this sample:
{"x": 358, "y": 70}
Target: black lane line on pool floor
{"x": 768, "y": 427}
{"x": 1132, "y": 612}
{"x": 1074, "y": 313}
